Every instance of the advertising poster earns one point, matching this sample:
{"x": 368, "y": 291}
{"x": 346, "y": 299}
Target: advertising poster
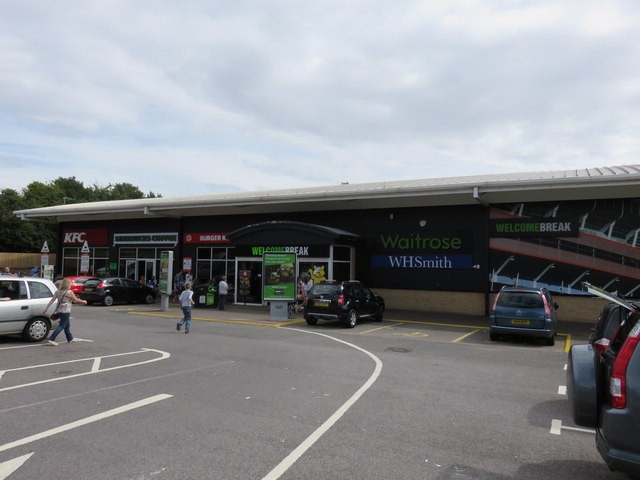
{"x": 280, "y": 276}
{"x": 166, "y": 272}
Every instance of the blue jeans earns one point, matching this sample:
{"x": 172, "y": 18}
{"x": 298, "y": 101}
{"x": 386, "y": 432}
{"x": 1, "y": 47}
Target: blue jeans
{"x": 186, "y": 320}
{"x": 65, "y": 324}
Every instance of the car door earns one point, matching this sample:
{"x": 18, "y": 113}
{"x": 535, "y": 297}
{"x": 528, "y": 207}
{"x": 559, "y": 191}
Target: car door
{"x": 132, "y": 290}
{"x": 14, "y": 312}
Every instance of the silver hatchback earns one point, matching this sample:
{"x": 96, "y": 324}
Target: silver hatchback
{"x": 22, "y": 313}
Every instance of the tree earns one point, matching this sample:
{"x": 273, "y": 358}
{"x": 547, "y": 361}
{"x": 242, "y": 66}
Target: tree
{"x": 20, "y": 236}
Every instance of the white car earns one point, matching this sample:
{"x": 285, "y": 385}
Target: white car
{"x": 22, "y": 312}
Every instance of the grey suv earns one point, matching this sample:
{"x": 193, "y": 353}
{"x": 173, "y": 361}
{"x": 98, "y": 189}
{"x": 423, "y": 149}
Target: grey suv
{"x": 21, "y": 312}
{"x": 603, "y": 389}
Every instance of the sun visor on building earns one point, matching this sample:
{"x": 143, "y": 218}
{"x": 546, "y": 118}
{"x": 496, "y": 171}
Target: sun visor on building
{"x": 275, "y": 232}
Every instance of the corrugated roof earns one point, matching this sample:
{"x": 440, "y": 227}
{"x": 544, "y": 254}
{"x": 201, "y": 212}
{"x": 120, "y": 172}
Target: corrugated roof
{"x": 599, "y": 182}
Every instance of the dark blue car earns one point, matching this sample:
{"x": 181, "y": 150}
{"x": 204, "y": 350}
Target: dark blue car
{"x": 524, "y": 311}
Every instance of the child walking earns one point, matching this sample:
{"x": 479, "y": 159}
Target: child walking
{"x": 186, "y": 302}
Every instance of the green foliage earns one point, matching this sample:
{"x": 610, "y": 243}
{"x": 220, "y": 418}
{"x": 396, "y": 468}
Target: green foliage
{"x": 19, "y": 236}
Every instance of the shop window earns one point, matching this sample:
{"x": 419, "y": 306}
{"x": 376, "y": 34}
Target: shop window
{"x": 203, "y": 271}
{"x": 341, "y": 253}
{"x": 146, "y": 253}
{"x": 204, "y": 254}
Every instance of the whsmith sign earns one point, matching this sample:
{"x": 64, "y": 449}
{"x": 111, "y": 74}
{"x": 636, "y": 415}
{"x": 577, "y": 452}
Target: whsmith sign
{"x": 525, "y": 227}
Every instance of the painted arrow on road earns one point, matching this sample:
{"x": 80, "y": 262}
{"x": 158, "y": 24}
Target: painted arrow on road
{"x": 10, "y": 466}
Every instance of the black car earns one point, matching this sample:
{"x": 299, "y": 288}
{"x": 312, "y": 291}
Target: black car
{"x": 116, "y": 290}
{"x": 603, "y": 388}
{"x": 345, "y": 301}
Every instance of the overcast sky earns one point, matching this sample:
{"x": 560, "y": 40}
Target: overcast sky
{"x": 206, "y": 96}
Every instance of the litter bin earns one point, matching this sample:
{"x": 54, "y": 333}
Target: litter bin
{"x": 205, "y": 295}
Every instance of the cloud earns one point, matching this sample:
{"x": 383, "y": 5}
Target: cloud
{"x": 208, "y": 96}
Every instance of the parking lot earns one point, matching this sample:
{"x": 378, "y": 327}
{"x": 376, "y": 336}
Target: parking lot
{"x": 415, "y": 397}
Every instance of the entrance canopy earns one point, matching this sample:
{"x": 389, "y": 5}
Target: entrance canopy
{"x": 277, "y": 232}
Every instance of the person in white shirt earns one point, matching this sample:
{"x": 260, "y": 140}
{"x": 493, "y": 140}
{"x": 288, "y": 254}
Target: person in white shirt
{"x": 186, "y": 303}
{"x": 223, "y": 290}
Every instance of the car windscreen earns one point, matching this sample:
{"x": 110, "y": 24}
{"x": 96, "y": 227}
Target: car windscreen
{"x": 325, "y": 289}
{"x": 520, "y": 300}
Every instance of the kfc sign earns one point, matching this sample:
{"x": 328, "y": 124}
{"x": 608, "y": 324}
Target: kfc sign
{"x": 205, "y": 238}
{"x": 93, "y": 236}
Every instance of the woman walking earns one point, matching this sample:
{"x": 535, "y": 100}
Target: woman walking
{"x": 65, "y": 298}
{"x": 186, "y": 302}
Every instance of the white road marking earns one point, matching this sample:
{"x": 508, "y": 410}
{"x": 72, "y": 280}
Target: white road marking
{"x": 556, "y": 428}
{"x": 163, "y": 356}
{"x": 112, "y": 387}
{"x": 96, "y": 364}
{"x": 562, "y": 390}
{"x": 10, "y": 466}
{"x": 290, "y": 459}
{"x": 85, "y": 421}
{"x": 31, "y": 345}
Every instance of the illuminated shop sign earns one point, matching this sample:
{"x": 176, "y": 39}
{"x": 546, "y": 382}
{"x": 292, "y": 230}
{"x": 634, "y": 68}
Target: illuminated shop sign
{"x": 166, "y": 238}
{"x": 523, "y": 227}
{"x": 93, "y": 236}
{"x": 430, "y": 262}
{"x": 190, "y": 238}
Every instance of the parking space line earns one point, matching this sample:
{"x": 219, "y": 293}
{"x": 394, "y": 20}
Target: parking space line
{"x": 163, "y": 356}
{"x": 380, "y": 328}
{"x": 557, "y": 427}
{"x": 465, "y": 336}
{"x": 440, "y": 324}
{"x": 84, "y": 421}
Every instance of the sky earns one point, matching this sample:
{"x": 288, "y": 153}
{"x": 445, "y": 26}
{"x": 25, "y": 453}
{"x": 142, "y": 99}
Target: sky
{"x": 197, "y": 97}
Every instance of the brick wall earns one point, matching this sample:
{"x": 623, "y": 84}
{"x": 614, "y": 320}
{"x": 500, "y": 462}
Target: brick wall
{"x": 571, "y": 308}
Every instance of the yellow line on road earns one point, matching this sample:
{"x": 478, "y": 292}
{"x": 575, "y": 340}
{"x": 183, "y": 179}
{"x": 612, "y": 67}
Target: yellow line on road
{"x": 440, "y": 324}
{"x": 465, "y": 336}
{"x": 241, "y": 322}
{"x": 380, "y": 328}
{"x": 567, "y": 341}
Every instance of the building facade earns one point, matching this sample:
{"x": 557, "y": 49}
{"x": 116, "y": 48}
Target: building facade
{"x": 439, "y": 244}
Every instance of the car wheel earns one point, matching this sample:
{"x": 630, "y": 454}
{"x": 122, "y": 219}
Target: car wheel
{"x": 36, "y": 330}
{"x": 379, "y": 314}
{"x": 311, "y": 320}
{"x": 108, "y": 300}
{"x": 493, "y": 336}
{"x": 352, "y": 319}
{"x": 149, "y": 299}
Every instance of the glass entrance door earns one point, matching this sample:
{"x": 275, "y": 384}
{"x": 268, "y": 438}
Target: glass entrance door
{"x": 146, "y": 269}
{"x": 248, "y": 281}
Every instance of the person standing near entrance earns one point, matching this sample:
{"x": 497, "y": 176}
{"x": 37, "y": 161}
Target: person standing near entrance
{"x": 223, "y": 290}
{"x": 65, "y": 298}
{"x": 186, "y": 303}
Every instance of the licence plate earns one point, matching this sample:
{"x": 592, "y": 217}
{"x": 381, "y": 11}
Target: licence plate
{"x": 88, "y": 289}
{"x": 520, "y": 322}
{"x": 321, "y": 303}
